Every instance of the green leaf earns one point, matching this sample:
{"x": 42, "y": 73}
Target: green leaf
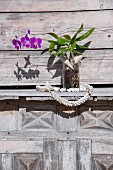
{"x": 73, "y": 46}
{"x": 74, "y": 37}
{"x": 51, "y": 48}
{"x": 60, "y": 41}
{"x": 63, "y": 40}
{"x": 77, "y": 52}
{"x": 81, "y": 47}
{"x": 55, "y": 42}
{"x": 53, "y": 34}
{"x": 61, "y": 51}
{"x": 80, "y": 29}
{"x": 67, "y": 37}
{"x": 84, "y": 36}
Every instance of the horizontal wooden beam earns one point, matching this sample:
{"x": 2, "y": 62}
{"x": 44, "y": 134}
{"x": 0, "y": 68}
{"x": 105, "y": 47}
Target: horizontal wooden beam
{"x": 15, "y": 24}
{"x": 53, "y": 5}
{"x": 24, "y": 68}
{"x": 33, "y": 94}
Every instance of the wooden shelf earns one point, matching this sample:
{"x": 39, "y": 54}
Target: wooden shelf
{"x": 32, "y": 94}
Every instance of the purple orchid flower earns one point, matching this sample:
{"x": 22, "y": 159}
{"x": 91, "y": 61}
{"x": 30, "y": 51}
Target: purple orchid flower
{"x": 27, "y": 41}
{"x": 39, "y": 41}
{"x": 35, "y": 42}
{"x": 16, "y": 43}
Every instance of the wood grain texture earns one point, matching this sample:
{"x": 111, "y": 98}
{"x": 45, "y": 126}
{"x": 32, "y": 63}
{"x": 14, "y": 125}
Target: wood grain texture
{"x": 21, "y": 146}
{"x": 65, "y": 123}
{"x": 8, "y": 117}
{"x": 50, "y": 154}
{"x": 54, "y": 5}
{"x": 103, "y": 146}
{"x": 35, "y": 69}
{"x": 97, "y": 119}
{"x": 29, "y": 68}
{"x": 37, "y": 118}
{"x": 67, "y": 155}
{"x": 6, "y": 162}
{"x": 97, "y": 67}
{"x": 12, "y": 24}
{"x": 8, "y": 120}
{"x": 32, "y": 94}
{"x": 102, "y": 162}
{"x": 84, "y": 154}
{"x": 28, "y": 161}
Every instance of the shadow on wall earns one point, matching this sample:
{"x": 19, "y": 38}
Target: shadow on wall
{"x": 57, "y": 66}
{"x": 29, "y": 71}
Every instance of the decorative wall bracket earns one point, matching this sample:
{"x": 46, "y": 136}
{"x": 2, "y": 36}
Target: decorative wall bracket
{"x": 53, "y": 91}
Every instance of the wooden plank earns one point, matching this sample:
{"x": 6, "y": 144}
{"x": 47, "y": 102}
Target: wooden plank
{"x": 67, "y": 155}
{"x": 97, "y": 67}
{"x": 53, "y": 5}
{"x": 8, "y": 117}
{"x": 12, "y": 24}
{"x": 28, "y": 161}
{"x": 21, "y": 146}
{"x": 8, "y": 120}
{"x": 31, "y": 136}
{"x": 7, "y": 161}
{"x": 102, "y": 92}
{"x": 29, "y": 68}
{"x": 49, "y": 69}
{"x": 84, "y": 154}
{"x": 66, "y": 119}
{"x": 50, "y": 154}
{"x": 39, "y": 135}
{"x": 103, "y": 146}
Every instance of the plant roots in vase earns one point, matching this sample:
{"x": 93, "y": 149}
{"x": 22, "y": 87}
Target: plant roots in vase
{"x": 71, "y": 77}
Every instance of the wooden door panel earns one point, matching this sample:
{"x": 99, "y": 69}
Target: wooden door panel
{"x": 50, "y": 154}
{"x": 28, "y": 162}
{"x": 67, "y": 155}
{"x": 22, "y": 146}
{"x": 102, "y": 162}
{"x": 6, "y": 161}
{"x": 84, "y": 152}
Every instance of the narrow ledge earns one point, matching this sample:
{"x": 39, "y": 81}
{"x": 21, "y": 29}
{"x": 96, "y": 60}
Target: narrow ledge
{"x": 32, "y": 94}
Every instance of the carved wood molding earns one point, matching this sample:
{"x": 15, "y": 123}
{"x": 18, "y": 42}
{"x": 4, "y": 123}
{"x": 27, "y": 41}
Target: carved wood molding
{"x": 97, "y": 119}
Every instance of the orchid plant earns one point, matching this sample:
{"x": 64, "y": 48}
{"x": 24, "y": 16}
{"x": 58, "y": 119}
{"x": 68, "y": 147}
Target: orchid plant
{"x": 27, "y": 41}
{"x": 65, "y": 44}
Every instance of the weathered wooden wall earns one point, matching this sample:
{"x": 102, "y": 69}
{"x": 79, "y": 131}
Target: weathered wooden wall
{"x": 60, "y": 16}
{"x": 37, "y": 133}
